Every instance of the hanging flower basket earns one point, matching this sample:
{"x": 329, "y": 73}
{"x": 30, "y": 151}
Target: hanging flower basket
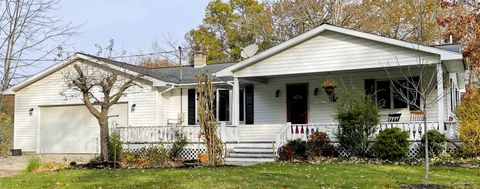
{"x": 329, "y": 86}
{"x": 329, "y": 90}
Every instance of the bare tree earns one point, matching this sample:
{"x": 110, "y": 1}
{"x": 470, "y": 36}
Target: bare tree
{"x": 26, "y": 28}
{"x": 416, "y": 85}
{"x": 100, "y": 87}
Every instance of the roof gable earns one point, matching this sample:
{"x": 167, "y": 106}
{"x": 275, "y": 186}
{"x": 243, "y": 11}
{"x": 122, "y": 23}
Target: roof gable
{"x": 444, "y": 54}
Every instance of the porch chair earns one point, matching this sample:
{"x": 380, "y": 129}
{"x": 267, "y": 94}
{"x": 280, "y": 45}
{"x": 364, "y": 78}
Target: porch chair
{"x": 394, "y": 117}
{"x": 416, "y": 116}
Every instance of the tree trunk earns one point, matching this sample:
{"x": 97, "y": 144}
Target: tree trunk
{"x": 103, "y": 122}
{"x": 426, "y": 144}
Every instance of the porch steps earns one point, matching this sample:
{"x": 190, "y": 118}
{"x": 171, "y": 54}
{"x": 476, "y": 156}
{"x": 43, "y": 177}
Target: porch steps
{"x": 258, "y": 152}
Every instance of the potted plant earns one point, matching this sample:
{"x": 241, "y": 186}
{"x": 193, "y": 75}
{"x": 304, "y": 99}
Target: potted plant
{"x": 329, "y": 85}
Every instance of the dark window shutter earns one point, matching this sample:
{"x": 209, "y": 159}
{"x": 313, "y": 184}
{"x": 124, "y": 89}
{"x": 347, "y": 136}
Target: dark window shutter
{"x": 370, "y": 88}
{"x": 414, "y": 97}
{"x": 242, "y": 105}
{"x": 191, "y": 106}
{"x": 249, "y": 104}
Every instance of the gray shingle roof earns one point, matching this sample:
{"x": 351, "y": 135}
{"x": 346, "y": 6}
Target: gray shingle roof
{"x": 450, "y": 47}
{"x": 168, "y": 74}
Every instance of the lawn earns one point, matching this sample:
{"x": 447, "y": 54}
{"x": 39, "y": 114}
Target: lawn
{"x": 271, "y": 175}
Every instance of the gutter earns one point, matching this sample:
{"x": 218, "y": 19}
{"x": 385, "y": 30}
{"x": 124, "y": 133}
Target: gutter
{"x": 168, "y": 89}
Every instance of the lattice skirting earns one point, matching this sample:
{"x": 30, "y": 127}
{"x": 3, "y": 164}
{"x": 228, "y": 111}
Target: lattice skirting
{"x": 414, "y": 149}
{"x": 191, "y": 151}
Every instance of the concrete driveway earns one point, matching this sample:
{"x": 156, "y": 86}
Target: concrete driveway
{"x": 12, "y": 165}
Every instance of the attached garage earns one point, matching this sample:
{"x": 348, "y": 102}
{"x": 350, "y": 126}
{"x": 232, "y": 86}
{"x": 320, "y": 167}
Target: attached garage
{"x": 72, "y": 129}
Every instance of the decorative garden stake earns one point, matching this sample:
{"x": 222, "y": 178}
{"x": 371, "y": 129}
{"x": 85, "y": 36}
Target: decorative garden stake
{"x": 208, "y": 123}
{"x": 329, "y": 85}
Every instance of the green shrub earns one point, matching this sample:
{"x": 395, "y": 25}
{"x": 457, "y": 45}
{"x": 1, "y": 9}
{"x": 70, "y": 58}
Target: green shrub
{"x": 294, "y": 149}
{"x": 6, "y": 133}
{"x": 358, "y": 117}
{"x": 115, "y": 147}
{"x": 33, "y": 164}
{"x": 180, "y": 142}
{"x": 318, "y": 145}
{"x": 436, "y": 143}
{"x": 391, "y": 144}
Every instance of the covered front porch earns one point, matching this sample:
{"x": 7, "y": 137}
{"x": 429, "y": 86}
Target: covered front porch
{"x": 300, "y": 98}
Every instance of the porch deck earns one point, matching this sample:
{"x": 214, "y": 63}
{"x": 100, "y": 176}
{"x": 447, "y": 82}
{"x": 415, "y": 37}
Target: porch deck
{"x": 258, "y": 143}
{"x": 264, "y": 133}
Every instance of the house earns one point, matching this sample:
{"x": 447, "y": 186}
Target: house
{"x": 261, "y": 101}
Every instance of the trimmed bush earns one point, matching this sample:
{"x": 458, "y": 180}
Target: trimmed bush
{"x": 319, "y": 145}
{"x": 436, "y": 143}
{"x": 358, "y": 117}
{"x": 293, "y": 150}
{"x": 115, "y": 147}
{"x": 391, "y": 144}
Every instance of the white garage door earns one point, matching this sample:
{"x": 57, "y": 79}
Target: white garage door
{"x": 72, "y": 129}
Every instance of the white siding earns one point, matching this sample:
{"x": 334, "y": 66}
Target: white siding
{"x": 269, "y": 109}
{"x": 331, "y": 51}
{"x": 46, "y": 92}
{"x": 171, "y": 102}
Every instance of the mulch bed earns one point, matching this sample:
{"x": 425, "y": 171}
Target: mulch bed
{"x": 423, "y": 186}
{"x": 97, "y": 165}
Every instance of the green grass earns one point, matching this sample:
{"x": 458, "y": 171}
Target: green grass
{"x": 272, "y": 175}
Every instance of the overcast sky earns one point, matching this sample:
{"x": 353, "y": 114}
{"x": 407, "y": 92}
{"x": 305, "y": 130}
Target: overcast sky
{"x": 133, "y": 24}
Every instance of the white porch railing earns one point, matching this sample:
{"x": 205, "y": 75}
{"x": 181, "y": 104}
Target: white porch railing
{"x": 415, "y": 130}
{"x": 166, "y": 134}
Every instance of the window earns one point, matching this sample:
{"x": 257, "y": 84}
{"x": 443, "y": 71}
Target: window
{"x": 392, "y": 94}
{"x": 383, "y": 94}
{"x": 399, "y": 94}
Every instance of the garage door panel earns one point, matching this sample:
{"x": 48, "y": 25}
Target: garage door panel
{"x": 72, "y": 129}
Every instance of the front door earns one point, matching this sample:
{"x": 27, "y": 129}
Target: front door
{"x": 297, "y": 103}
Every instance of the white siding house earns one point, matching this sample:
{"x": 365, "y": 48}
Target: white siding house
{"x": 259, "y": 97}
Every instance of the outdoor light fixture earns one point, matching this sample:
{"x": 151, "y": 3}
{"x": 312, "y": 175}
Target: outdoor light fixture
{"x": 30, "y": 112}
{"x": 315, "y": 92}
{"x": 277, "y": 93}
{"x": 133, "y": 107}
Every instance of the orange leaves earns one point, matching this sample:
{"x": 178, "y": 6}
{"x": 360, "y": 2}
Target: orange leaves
{"x": 461, "y": 20}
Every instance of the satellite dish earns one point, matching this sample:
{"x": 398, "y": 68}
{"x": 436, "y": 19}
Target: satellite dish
{"x": 249, "y": 51}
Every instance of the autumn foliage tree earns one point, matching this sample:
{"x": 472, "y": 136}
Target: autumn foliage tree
{"x": 461, "y": 21}
{"x": 469, "y": 117}
{"x": 228, "y": 26}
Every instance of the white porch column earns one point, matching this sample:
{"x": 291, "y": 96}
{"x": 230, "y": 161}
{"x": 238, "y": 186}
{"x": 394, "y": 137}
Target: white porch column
{"x": 440, "y": 94}
{"x": 236, "y": 102}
